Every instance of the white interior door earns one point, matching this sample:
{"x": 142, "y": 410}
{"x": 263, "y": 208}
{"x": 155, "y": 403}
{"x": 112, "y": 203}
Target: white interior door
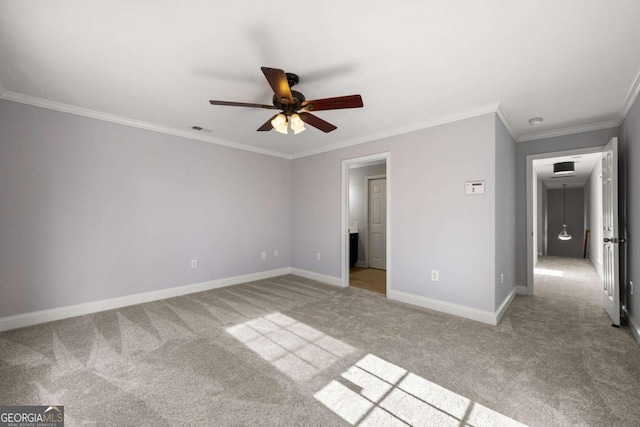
{"x": 611, "y": 250}
{"x": 378, "y": 223}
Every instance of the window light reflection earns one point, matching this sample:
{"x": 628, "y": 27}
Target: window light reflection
{"x": 389, "y": 395}
{"x": 296, "y": 349}
{"x": 546, "y": 272}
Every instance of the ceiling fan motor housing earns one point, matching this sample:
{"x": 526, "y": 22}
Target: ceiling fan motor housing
{"x": 287, "y": 107}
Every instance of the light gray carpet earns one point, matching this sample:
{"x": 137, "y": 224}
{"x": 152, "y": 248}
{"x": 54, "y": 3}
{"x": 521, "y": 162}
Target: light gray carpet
{"x": 291, "y": 351}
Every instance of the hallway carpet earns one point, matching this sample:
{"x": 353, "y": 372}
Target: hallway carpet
{"x": 290, "y": 351}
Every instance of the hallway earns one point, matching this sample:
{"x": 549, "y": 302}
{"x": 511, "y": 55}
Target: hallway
{"x": 568, "y": 285}
{"x": 577, "y": 356}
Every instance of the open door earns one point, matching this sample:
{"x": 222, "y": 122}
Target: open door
{"x": 611, "y": 250}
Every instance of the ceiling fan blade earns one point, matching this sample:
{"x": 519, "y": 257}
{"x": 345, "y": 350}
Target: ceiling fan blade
{"x": 316, "y": 122}
{"x": 267, "y": 126}
{"x": 242, "y": 104}
{"x": 337, "y": 103}
{"x": 278, "y": 81}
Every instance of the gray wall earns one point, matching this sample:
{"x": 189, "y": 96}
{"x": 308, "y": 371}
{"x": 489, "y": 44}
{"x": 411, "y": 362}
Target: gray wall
{"x": 432, "y": 223}
{"x": 574, "y": 219}
{"x": 505, "y": 213}
{"x": 538, "y": 146}
{"x": 93, "y": 210}
{"x": 630, "y": 174}
{"x": 357, "y": 198}
{"x": 542, "y": 218}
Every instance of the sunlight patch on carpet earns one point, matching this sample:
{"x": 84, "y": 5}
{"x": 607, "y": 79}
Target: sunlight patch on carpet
{"x": 547, "y": 272}
{"x": 389, "y": 395}
{"x": 296, "y": 349}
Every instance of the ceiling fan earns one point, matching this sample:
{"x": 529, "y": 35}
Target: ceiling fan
{"x": 293, "y": 106}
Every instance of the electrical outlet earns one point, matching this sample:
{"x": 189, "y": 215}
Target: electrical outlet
{"x": 318, "y": 256}
{"x": 501, "y": 277}
{"x": 435, "y": 275}
{"x": 264, "y": 255}
{"x": 276, "y": 253}
{"x": 194, "y": 263}
{"x": 630, "y": 287}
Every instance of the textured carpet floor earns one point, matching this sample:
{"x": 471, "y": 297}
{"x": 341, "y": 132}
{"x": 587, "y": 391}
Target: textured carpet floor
{"x": 291, "y": 351}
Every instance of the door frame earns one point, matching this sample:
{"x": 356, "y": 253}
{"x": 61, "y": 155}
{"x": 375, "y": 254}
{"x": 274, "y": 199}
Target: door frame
{"x": 366, "y": 213}
{"x": 529, "y": 289}
{"x": 344, "y": 226}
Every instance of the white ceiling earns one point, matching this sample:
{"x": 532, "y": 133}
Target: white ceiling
{"x": 416, "y": 63}
{"x": 583, "y": 163}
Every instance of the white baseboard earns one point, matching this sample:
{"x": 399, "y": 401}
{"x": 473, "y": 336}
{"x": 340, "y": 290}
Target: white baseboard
{"x": 36, "y": 317}
{"x": 635, "y": 329}
{"x": 522, "y": 290}
{"x": 362, "y": 264}
{"x": 505, "y": 304}
{"x": 330, "y": 280}
{"x": 445, "y": 307}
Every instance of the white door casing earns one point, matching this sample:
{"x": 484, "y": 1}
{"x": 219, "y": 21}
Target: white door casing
{"x": 344, "y": 225}
{"x": 377, "y": 224}
{"x": 610, "y": 249}
{"x": 531, "y": 215}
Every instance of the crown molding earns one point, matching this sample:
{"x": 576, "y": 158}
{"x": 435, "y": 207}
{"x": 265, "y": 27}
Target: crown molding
{"x": 634, "y": 91}
{"x": 71, "y": 109}
{"x": 569, "y": 131}
{"x": 442, "y": 120}
{"x": 506, "y": 122}
{"x": 496, "y": 108}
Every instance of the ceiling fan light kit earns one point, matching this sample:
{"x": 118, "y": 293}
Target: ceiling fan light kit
{"x": 297, "y": 125}
{"x": 293, "y": 106}
{"x": 279, "y": 123}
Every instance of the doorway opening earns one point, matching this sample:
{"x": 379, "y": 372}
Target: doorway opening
{"x": 568, "y": 221}
{"x": 365, "y": 218}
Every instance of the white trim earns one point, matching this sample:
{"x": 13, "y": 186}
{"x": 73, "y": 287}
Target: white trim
{"x": 471, "y": 313}
{"x": 569, "y": 131}
{"x": 361, "y": 264}
{"x": 80, "y": 111}
{"x": 344, "y": 223}
{"x": 506, "y": 122}
{"x": 530, "y": 195}
{"x": 480, "y": 111}
{"x": 366, "y": 165}
{"x": 50, "y": 315}
{"x": 329, "y": 280}
{"x": 71, "y": 109}
{"x": 635, "y": 329}
{"x": 475, "y": 112}
{"x": 634, "y": 91}
{"x": 505, "y": 304}
{"x": 522, "y": 290}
